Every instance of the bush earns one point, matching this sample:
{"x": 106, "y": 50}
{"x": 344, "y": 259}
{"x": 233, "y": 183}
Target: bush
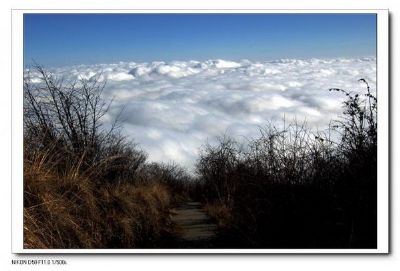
{"x": 292, "y": 187}
{"x": 84, "y": 185}
{"x": 66, "y": 121}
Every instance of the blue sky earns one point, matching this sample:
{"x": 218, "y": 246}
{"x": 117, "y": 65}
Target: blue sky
{"x": 69, "y": 39}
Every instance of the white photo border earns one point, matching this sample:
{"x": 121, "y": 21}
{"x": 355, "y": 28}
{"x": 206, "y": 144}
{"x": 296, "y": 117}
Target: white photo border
{"x": 382, "y": 56}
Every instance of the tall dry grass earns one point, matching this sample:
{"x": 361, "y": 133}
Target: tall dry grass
{"x": 70, "y": 210}
{"x": 86, "y": 186}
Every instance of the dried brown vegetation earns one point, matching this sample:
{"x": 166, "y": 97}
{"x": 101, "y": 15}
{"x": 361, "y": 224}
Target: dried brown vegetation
{"x": 71, "y": 211}
{"x": 220, "y": 213}
{"x": 85, "y": 186}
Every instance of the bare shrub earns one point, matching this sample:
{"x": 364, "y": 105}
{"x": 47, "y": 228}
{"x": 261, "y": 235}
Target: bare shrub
{"x": 217, "y": 166}
{"x": 293, "y": 187}
{"x": 65, "y": 120}
{"x": 83, "y": 183}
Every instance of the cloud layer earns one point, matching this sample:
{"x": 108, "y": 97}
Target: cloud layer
{"x": 172, "y": 108}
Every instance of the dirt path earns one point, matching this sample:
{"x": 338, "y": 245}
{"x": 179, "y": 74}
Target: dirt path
{"x": 194, "y": 227}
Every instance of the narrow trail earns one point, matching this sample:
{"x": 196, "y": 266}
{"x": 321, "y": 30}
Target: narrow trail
{"x": 194, "y": 226}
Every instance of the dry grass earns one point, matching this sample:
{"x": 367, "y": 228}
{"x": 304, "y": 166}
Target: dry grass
{"x": 85, "y": 186}
{"x": 69, "y": 211}
{"x": 220, "y": 213}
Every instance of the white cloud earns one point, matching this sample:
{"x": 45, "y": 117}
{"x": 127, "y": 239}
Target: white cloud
{"x": 172, "y": 108}
{"x": 120, "y": 76}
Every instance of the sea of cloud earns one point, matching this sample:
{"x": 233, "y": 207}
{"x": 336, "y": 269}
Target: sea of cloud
{"x": 173, "y": 108}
